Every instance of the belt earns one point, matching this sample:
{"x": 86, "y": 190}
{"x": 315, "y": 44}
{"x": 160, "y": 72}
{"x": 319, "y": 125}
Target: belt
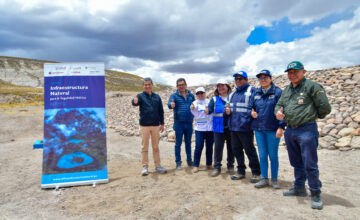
{"x": 301, "y": 125}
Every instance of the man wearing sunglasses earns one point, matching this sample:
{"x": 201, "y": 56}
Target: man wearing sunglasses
{"x": 180, "y": 102}
{"x": 300, "y": 104}
{"x": 242, "y": 137}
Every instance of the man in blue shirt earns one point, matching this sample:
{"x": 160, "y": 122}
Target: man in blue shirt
{"x": 180, "y": 102}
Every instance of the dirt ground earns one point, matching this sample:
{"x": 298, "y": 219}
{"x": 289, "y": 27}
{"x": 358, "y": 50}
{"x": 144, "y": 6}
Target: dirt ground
{"x": 175, "y": 195}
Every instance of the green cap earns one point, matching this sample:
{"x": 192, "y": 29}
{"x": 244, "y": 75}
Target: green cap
{"x": 296, "y": 65}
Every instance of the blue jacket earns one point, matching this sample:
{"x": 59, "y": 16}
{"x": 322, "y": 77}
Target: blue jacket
{"x": 182, "y": 112}
{"x": 225, "y": 117}
{"x": 241, "y": 102}
{"x": 264, "y": 105}
{"x": 151, "y": 109}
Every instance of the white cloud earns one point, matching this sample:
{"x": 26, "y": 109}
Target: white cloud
{"x": 336, "y": 46}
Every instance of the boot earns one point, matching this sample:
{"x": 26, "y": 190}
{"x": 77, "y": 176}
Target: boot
{"x": 295, "y": 192}
{"x": 216, "y": 172}
{"x": 275, "y": 184}
{"x": 255, "y": 178}
{"x": 262, "y": 183}
{"x": 316, "y": 202}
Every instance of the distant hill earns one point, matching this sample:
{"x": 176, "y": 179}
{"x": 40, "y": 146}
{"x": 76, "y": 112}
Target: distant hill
{"x": 22, "y": 80}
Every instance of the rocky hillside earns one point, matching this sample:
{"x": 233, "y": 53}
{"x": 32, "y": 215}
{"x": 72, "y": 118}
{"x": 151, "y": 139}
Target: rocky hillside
{"x": 339, "y": 130}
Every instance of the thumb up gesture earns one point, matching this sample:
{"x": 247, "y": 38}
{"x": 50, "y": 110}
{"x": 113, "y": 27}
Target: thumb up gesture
{"x": 136, "y": 100}
{"x": 253, "y": 113}
{"x": 172, "y": 103}
{"x": 228, "y": 109}
{"x": 280, "y": 115}
{"x": 192, "y": 107}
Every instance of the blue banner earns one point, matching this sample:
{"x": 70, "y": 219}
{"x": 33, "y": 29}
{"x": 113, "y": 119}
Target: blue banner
{"x": 74, "y": 151}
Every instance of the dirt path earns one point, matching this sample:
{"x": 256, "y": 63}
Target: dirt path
{"x": 175, "y": 195}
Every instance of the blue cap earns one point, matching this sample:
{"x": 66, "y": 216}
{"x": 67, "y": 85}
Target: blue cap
{"x": 265, "y": 72}
{"x": 241, "y": 73}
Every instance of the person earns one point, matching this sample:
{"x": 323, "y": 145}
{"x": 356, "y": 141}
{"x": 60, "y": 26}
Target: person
{"x": 180, "y": 102}
{"x": 217, "y": 107}
{"x": 242, "y": 137}
{"x": 203, "y": 129}
{"x": 151, "y": 124}
{"x": 301, "y": 103}
{"x": 268, "y": 130}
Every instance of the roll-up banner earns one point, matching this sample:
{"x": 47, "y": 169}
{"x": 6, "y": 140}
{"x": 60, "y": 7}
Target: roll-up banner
{"x": 74, "y": 151}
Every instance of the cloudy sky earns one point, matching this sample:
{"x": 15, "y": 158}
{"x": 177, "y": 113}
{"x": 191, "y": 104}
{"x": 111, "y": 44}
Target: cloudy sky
{"x": 201, "y": 40}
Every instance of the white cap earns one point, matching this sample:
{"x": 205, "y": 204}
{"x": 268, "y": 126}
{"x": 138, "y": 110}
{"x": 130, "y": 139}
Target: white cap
{"x": 199, "y": 89}
{"x": 221, "y": 81}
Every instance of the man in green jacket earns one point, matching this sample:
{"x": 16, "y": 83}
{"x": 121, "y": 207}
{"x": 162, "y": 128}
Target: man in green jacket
{"x": 300, "y": 104}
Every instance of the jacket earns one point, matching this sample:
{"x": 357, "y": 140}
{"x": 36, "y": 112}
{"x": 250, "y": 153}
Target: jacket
{"x": 218, "y": 127}
{"x": 304, "y": 103}
{"x": 182, "y": 113}
{"x": 264, "y": 105}
{"x": 241, "y": 102}
{"x": 151, "y": 109}
{"x": 203, "y": 122}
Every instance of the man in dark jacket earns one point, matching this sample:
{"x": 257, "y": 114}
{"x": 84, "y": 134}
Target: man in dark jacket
{"x": 242, "y": 137}
{"x": 180, "y": 102}
{"x": 151, "y": 116}
{"x": 300, "y": 104}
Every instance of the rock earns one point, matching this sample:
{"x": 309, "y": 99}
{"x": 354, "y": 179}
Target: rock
{"x": 327, "y": 128}
{"x": 343, "y": 142}
{"x": 333, "y": 132}
{"x": 353, "y": 125}
{"x": 345, "y": 131}
{"x": 171, "y": 136}
{"x": 356, "y": 117}
{"x": 355, "y": 142}
{"x": 356, "y": 132}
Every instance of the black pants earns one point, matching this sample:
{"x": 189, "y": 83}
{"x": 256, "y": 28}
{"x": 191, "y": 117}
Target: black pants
{"x": 245, "y": 141}
{"x": 220, "y": 139}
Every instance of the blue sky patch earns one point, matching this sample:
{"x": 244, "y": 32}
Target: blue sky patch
{"x": 283, "y": 30}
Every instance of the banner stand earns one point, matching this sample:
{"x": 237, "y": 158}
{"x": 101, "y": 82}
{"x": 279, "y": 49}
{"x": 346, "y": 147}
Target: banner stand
{"x": 57, "y": 186}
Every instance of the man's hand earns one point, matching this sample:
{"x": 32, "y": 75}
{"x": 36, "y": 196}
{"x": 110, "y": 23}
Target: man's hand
{"x": 228, "y": 112}
{"x": 279, "y": 132}
{"x": 161, "y": 128}
{"x": 206, "y": 109}
{"x": 192, "y": 107}
{"x": 280, "y": 115}
{"x": 172, "y": 103}
{"x": 253, "y": 113}
{"x": 136, "y": 100}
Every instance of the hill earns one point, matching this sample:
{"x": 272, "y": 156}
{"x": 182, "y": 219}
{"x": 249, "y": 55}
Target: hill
{"x": 22, "y": 81}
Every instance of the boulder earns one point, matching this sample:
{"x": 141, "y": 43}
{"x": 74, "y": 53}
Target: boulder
{"x": 355, "y": 142}
{"x": 343, "y": 142}
{"x": 345, "y": 131}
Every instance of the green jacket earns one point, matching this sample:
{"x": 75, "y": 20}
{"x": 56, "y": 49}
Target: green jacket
{"x": 304, "y": 103}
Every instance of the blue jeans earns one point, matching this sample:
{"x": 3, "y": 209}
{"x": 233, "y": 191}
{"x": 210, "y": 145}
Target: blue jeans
{"x": 186, "y": 130}
{"x": 268, "y": 146}
{"x": 302, "y": 143}
{"x": 201, "y": 137}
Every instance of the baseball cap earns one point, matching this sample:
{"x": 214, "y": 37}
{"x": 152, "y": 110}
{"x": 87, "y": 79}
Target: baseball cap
{"x": 265, "y": 72}
{"x": 221, "y": 81}
{"x": 241, "y": 73}
{"x": 199, "y": 89}
{"x": 296, "y": 65}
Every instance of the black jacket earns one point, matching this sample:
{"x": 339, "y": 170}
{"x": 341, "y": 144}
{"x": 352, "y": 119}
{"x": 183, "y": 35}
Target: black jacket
{"x": 151, "y": 109}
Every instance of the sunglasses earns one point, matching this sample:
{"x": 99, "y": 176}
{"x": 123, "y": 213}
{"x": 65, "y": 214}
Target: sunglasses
{"x": 239, "y": 78}
{"x": 263, "y": 78}
{"x": 199, "y": 93}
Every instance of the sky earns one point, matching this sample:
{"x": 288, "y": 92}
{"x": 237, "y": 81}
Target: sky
{"x": 199, "y": 40}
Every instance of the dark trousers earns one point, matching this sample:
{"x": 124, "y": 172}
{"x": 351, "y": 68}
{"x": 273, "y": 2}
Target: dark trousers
{"x": 245, "y": 141}
{"x": 220, "y": 139}
{"x": 302, "y": 143}
{"x": 200, "y": 138}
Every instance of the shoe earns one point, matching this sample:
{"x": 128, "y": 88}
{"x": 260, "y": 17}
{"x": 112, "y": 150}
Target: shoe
{"x": 161, "y": 169}
{"x": 215, "y": 172}
{"x": 195, "y": 169}
{"x": 262, "y": 183}
{"x": 231, "y": 170}
{"x": 316, "y": 202}
{"x": 178, "y": 167}
{"x": 295, "y": 192}
{"x": 144, "y": 171}
{"x": 189, "y": 163}
{"x": 237, "y": 176}
{"x": 209, "y": 167}
{"x": 255, "y": 178}
{"x": 275, "y": 184}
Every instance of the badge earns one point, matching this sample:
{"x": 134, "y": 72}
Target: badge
{"x": 301, "y": 100}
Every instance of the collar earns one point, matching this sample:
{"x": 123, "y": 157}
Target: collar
{"x": 298, "y": 86}
{"x": 178, "y": 92}
{"x": 238, "y": 89}
{"x": 269, "y": 92}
